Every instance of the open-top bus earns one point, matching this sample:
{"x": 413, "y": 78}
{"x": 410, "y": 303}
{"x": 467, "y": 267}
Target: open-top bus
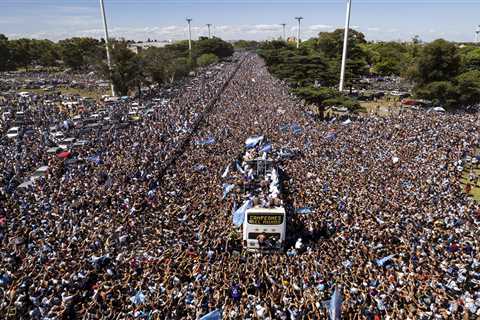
{"x": 264, "y": 225}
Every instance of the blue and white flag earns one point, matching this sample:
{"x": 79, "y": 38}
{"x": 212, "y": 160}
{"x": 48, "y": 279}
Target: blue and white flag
{"x": 253, "y": 141}
{"x": 226, "y": 189}
{"x": 335, "y": 305}
{"x": 239, "y": 167}
{"x": 266, "y": 148}
{"x": 331, "y": 136}
{"x": 239, "y": 214}
{"x": 204, "y": 142}
{"x": 381, "y": 262}
{"x": 227, "y": 170}
{"x": 214, "y": 315}
{"x": 296, "y": 129}
{"x": 95, "y": 159}
{"x": 284, "y": 128}
{"x": 138, "y": 298}
{"x": 304, "y": 210}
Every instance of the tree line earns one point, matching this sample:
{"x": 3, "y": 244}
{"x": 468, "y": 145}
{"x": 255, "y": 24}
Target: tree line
{"x": 446, "y": 73}
{"x": 154, "y": 65}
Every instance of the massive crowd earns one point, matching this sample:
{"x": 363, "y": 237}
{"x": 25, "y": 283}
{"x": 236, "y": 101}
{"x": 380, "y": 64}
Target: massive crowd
{"x": 143, "y": 231}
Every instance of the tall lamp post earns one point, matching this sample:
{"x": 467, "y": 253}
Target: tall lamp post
{"x": 298, "y": 31}
{"x": 345, "y": 46}
{"x": 284, "y": 34}
{"x": 189, "y": 20}
{"x": 109, "y": 61}
{"x": 209, "y": 34}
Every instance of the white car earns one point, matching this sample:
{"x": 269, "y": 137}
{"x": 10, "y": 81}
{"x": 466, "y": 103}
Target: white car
{"x": 66, "y": 143}
{"x": 13, "y": 132}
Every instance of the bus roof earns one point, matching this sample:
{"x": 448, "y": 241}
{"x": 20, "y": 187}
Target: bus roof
{"x": 266, "y": 210}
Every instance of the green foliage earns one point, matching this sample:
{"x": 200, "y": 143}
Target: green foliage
{"x": 315, "y": 95}
{"x": 438, "y": 75}
{"x": 437, "y": 61}
{"x": 343, "y": 101}
{"x": 217, "y": 46}
{"x": 44, "y": 53}
{"x": 469, "y": 87}
{"x": 81, "y": 53}
{"x": 4, "y": 53}
{"x": 387, "y": 58}
{"x": 302, "y": 70}
{"x": 443, "y": 93}
{"x": 325, "y": 97}
{"x": 158, "y": 63}
{"x": 127, "y": 69}
{"x": 206, "y": 59}
{"x": 274, "y": 45}
{"x": 331, "y": 44}
{"x": 21, "y": 53}
{"x": 179, "y": 68}
{"x": 246, "y": 44}
{"x": 471, "y": 59}
{"x": 179, "y": 49}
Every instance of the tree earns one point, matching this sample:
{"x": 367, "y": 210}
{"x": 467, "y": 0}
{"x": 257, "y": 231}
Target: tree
{"x": 179, "y": 49}
{"x": 179, "y": 68}
{"x": 468, "y": 85}
{"x": 217, "y": 46}
{"x": 127, "y": 69}
{"x": 443, "y": 93}
{"x": 81, "y": 53}
{"x": 342, "y": 101}
{"x": 303, "y": 70}
{"x": 156, "y": 62}
{"x": 245, "y": 44}
{"x": 471, "y": 60}
{"x": 330, "y": 44}
{"x": 4, "y": 53}
{"x": 273, "y": 45}
{"x": 21, "y": 54}
{"x": 438, "y": 61}
{"x": 387, "y": 58}
{"x": 206, "y": 59}
{"x": 44, "y": 52}
{"x": 316, "y": 96}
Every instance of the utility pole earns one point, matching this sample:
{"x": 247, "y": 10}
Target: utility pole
{"x": 109, "y": 61}
{"x": 298, "y": 31}
{"x": 209, "y": 34}
{"x": 189, "y": 36}
{"x": 284, "y": 34}
{"x": 345, "y": 46}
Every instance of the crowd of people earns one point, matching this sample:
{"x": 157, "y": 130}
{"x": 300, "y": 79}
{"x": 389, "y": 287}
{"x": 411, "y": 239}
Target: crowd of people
{"x": 145, "y": 232}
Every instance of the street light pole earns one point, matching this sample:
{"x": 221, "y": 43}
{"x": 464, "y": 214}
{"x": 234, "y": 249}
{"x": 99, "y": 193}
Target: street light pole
{"x": 109, "y": 61}
{"x": 345, "y": 46}
{"x": 209, "y": 34}
{"x": 298, "y": 31}
{"x": 189, "y": 36}
{"x": 284, "y": 34}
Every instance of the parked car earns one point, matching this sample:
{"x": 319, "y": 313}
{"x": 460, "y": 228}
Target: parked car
{"x": 13, "y": 132}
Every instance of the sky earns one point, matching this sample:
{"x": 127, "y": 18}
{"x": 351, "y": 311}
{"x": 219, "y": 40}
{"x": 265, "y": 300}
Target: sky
{"x": 454, "y": 20}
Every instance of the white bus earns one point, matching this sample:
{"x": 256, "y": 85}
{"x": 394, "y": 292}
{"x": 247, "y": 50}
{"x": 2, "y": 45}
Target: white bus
{"x": 264, "y": 228}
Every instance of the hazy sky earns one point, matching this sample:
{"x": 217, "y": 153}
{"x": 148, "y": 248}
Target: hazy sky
{"x": 248, "y": 19}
